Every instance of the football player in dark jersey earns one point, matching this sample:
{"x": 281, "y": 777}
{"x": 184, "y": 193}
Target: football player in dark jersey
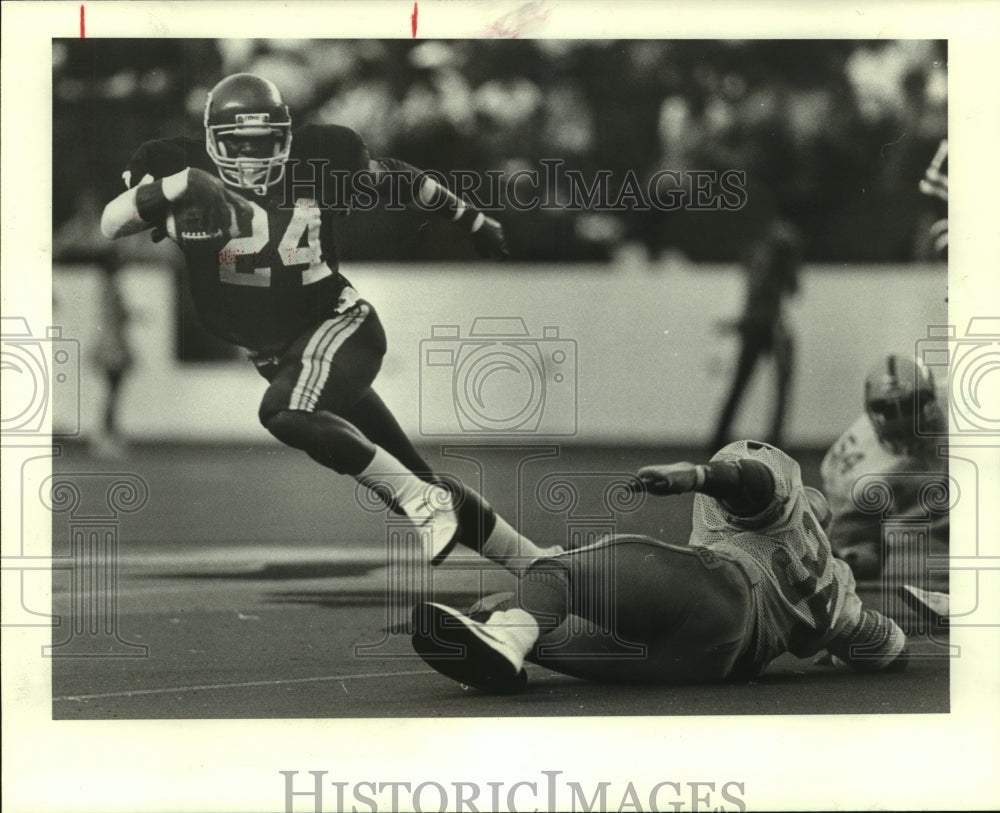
{"x": 250, "y": 207}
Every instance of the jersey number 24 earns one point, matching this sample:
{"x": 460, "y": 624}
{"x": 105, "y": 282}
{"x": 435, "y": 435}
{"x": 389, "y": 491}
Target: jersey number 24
{"x": 252, "y": 259}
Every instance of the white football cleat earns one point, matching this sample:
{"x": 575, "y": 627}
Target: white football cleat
{"x": 436, "y": 521}
{"x": 466, "y": 651}
{"x": 929, "y": 603}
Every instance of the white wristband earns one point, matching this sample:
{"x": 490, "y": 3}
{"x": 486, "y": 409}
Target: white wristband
{"x": 699, "y": 477}
{"x": 477, "y": 224}
{"x": 175, "y": 185}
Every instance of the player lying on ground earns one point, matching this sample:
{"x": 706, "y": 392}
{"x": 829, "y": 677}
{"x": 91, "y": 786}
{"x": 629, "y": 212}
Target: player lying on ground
{"x": 892, "y": 446}
{"x": 756, "y": 580}
{"x": 264, "y": 275}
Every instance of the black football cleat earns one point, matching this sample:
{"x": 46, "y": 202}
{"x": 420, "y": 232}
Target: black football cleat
{"x": 465, "y": 650}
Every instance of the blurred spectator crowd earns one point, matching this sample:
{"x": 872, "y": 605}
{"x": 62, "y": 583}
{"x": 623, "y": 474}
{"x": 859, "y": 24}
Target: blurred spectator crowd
{"x": 833, "y": 135}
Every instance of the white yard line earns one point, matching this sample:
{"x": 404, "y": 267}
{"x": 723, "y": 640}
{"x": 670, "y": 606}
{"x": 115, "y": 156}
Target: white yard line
{"x": 246, "y": 685}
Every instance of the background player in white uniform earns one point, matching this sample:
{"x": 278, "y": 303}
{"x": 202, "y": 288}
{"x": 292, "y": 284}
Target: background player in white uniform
{"x": 756, "y": 580}
{"x": 883, "y": 447}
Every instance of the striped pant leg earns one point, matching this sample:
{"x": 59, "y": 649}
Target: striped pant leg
{"x": 330, "y": 367}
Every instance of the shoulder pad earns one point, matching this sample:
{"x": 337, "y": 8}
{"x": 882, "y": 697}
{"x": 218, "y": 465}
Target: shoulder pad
{"x": 341, "y": 146}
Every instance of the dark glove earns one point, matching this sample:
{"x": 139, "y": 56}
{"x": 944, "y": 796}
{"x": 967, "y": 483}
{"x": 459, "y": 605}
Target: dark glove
{"x": 489, "y": 240}
{"x": 671, "y": 478}
{"x": 209, "y": 211}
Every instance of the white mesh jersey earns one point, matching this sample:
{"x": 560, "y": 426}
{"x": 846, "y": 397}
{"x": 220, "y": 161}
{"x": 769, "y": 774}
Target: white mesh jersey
{"x": 855, "y": 453}
{"x": 858, "y": 452}
{"x": 804, "y": 598}
{"x": 857, "y": 463}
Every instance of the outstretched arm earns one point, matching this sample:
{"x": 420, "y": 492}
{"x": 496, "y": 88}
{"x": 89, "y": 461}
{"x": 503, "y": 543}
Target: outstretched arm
{"x": 421, "y": 190}
{"x": 745, "y": 488}
{"x": 213, "y": 211}
{"x": 863, "y": 639}
{"x": 143, "y": 206}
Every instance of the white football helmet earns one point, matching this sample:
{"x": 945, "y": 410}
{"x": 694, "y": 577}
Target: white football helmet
{"x": 899, "y": 398}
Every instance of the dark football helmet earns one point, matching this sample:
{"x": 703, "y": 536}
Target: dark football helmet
{"x": 899, "y": 398}
{"x": 248, "y": 132}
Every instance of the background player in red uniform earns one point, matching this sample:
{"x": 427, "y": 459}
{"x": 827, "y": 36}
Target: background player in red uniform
{"x": 264, "y": 274}
{"x": 756, "y": 580}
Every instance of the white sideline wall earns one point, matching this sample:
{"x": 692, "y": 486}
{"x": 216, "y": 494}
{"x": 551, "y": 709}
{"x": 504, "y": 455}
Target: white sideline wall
{"x": 652, "y": 365}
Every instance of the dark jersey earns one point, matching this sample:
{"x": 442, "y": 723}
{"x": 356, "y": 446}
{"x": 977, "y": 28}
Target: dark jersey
{"x": 263, "y": 289}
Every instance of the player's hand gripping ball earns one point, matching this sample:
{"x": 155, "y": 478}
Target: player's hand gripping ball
{"x": 207, "y": 213}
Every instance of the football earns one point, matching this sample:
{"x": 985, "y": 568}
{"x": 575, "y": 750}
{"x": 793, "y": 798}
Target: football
{"x": 191, "y": 224}
{"x": 206, "y": 213}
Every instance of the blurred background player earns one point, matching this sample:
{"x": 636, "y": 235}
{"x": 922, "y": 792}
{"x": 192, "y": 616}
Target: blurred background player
{"x": 934, "y": 605}
{"x": 935, "y": 185}
{"x": 772, "y": 275}
{"x": 112, "y": 355}
{"x": 756, "y": 580}
{"x": 263, "y": 271}
{"x": 109, "y": 349}
{"x": 883, "y": 446}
